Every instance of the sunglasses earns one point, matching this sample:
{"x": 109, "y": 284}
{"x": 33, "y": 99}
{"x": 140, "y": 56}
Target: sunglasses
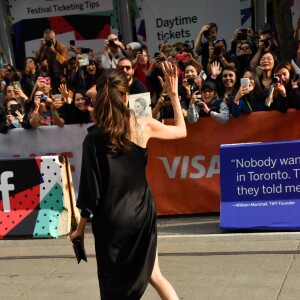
{"x": 127, "y": 68}
{"x": 244, "y": 48}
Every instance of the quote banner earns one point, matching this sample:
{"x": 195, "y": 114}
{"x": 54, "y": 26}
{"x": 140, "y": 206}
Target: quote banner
{"x": 260, "y": 185}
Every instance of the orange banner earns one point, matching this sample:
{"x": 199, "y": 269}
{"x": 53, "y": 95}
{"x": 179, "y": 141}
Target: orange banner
{"x": 184, "y": 175}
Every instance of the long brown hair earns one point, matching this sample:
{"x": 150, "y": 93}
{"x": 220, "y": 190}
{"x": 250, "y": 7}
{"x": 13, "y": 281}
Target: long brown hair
{"x": 110, "y": 112}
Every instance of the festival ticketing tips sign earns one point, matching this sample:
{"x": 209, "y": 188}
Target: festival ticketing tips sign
{"x": 260, "y": 186}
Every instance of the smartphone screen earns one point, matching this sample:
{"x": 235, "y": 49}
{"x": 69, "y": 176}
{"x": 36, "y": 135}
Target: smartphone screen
{"x": 245, "y": 82}
{"x": 16, "y": 85}
{"x": 72, "y": 43}
{"x": 14, "y": 108}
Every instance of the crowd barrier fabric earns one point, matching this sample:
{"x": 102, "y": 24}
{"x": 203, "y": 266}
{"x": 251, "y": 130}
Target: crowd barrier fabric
{"x": 184, "y": 174}
{"x": 37, "y": 197}
{"x": 260, "y": 186}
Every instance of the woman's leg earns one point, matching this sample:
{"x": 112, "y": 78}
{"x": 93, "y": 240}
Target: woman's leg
{"x": 161, "y": 284}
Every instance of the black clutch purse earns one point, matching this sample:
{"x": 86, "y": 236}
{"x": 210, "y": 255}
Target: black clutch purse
{"x": 79, "y": 250}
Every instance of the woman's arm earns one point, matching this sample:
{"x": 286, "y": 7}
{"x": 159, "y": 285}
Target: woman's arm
{"x": 223, "y": 115}
{"x": 170, "y": 85}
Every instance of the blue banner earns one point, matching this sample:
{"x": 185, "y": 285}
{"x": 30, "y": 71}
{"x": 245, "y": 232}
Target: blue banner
{"x": 260, "y": 186}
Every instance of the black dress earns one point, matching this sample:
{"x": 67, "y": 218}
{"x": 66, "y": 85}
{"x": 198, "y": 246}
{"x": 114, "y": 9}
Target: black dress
{"x": 114, "y": 188}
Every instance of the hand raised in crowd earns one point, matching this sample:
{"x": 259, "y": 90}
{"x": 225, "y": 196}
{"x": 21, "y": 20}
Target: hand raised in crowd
{"x": 36, "y": 104}
{"x": 204, "y": 106}
{"x": 262, "y": 46}
{"x": 243, "y": 90}
{"x": 56, "y": 103}
{"x": 170, "y": 81}
{"x": 281, "y": 89}
{"x": 195, "y": 97}
{"x": 19, "y": 116}
{"x": 65, "y": 93}
{"x": 19, "y": 93}
{"x": 74, "y": 49}
{"x": 11, "y": 117}
{"x": 164, "y": 101}
{"x": 204, "y": 28}
{"x": 216, "y": 69}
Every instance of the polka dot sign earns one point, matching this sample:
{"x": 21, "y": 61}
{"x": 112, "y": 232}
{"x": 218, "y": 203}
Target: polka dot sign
{"x": 41, "y": 205}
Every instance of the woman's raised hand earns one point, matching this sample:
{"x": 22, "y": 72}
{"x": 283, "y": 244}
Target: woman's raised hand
{"x": 170, "y": 81}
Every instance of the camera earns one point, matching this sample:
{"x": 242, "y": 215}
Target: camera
{"x": 48, "y": 42}
{"x": 266, "y": 43}
{"x": 191, "y": 81}
{"x": 277, "y": 78}
{"x": 167, "y": 98}
{"x": 242, "y": 35}
{"x": 112, "y": 43}
{"x": 206, "y": 33}
{"x": 43, "y": 98}
{"x": 296, "y": 77}
{"x": 217, "y": 50}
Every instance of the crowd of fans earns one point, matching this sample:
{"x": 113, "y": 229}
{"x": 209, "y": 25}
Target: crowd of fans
{"x": 215, "y": 79}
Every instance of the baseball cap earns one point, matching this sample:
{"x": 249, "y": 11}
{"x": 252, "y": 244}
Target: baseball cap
{"x": 210, "y": 84}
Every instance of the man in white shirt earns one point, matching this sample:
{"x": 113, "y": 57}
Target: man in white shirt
{"x": 114, "y": 50}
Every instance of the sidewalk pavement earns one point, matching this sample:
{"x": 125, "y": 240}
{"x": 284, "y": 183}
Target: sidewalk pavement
{"x": 200, "y": 261}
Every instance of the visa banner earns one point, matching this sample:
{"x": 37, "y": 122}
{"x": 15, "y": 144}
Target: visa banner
{"x": 260, "y": 185}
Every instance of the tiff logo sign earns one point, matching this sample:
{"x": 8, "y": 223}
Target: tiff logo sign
{"x": 5, "y": 187}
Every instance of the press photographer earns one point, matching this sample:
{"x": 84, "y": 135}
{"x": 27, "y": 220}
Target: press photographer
{"x": 56, "y": 55}
{"x": 218, "y": 52}
{"x": 114, "y": 50}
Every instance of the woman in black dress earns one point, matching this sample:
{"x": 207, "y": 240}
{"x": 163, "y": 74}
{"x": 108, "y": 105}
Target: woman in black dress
{"x": 113, "y": 187}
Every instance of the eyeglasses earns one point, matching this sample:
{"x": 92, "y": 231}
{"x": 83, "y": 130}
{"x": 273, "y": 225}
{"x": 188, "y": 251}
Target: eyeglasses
{"x": 219, "y": 39}
{"x": 266, "y": 59}
{"x": 127, "y": 68}
{"x": 244, "y": 48}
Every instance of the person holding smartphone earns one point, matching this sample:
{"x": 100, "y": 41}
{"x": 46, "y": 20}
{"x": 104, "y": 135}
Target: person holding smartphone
{"x": 14, "y": 116}
{"x": 206, "y": 103}
{"x": 249, "y": 97}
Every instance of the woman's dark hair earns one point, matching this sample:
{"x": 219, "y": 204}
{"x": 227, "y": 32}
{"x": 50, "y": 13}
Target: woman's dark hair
{"x": 257, "y": 90}
{"x": 285, "y": 65}
{"x": 274, "y": 57}
{"x": 111, "y": 112}
{"x": 30, "y": 57}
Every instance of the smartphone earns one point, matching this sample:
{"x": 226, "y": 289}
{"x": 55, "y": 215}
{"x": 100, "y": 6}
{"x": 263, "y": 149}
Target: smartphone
{"x": 181, "y": 56}
{"x": 241, "y": 36}
{"x": 14, "y": 108}
{"x": 72, "y": 43}
{"x": 84, "y": 61}
{"x": 47, "y": 80}
{"x": 85, "y": 50}
{"x": 265, "y": 27}
{"x": 202, "y": 75}
{"x": 16, "y": 85}
{"x": 245, "y": 82}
